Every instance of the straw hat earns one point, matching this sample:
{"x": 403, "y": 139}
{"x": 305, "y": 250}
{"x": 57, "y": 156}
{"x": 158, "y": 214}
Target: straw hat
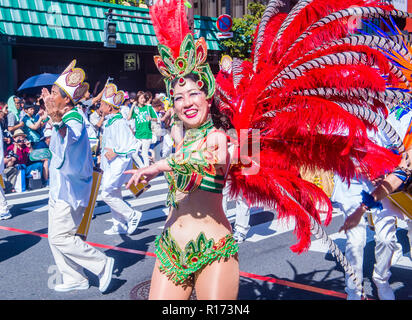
{"x": 18, "y": 132}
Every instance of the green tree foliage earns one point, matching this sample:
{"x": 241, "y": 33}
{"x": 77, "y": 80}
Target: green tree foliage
{"x": 240, "y": 46}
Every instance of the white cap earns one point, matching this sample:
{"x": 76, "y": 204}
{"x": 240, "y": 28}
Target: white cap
{"x": 112, "y": 96}
{"x": 71, "y": 82}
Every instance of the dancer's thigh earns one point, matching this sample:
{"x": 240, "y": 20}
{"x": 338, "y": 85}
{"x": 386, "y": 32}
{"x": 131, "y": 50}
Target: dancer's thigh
{"x": 219, "y": 280}
{"x": 162, "y": 288}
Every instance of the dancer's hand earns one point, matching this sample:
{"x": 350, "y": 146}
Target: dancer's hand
{"x": 143, "y": 175}
{"x": 110, "y": 154}
{"x": 378, "y": 180}
{"x": 55, "y": 113}
{"x": 353, "y": 220}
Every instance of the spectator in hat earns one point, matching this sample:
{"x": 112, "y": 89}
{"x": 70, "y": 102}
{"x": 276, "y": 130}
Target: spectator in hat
{"x": 20, "y": 151}
{"x": 14, "y": 154}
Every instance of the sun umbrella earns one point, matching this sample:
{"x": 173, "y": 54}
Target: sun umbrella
{"x": 38, "y": 81}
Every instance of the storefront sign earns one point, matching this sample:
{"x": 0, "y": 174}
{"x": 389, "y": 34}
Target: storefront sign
{"x": 130, "y": 62}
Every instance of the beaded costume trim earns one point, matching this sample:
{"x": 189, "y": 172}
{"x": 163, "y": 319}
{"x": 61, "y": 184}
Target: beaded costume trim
{"x": 180, "y": 264}
{"x": 193, "y": 169}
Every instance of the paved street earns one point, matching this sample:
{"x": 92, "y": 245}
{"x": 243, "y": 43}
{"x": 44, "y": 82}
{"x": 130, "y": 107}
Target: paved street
{"x": 269, "y": 269}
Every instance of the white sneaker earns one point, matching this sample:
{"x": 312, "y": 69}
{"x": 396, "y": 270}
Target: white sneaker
{"x": 354, "y": 296}
{"x": 63, "y": 287}
{"x": 5, "y": 216}
{"x": 106, "y": 275}
{"x": 385, "y": 291}
{"x": 115, "y": 229}
{"x": 239, "y": 236}
{"x": 134, "y": 222}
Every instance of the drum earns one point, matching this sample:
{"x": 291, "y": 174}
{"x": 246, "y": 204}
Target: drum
{"x": 140, "y": 188}
{"x": 83, "y": 229}
{"x": 2, "y": 182}
{"x": 403, "y": 200}
{"x": 322, "y": 179}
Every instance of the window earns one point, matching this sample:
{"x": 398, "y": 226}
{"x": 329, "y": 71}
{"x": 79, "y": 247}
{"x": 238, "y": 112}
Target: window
{"x": 212, "y": 8}
{"x": 238, "y": 8}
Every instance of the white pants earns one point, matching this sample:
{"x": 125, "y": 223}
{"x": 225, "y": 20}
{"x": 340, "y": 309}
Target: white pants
{"x": 167, "y": 145}
{"x": 386, "y": 245}
{"x": 143, "y": 149}
{"x": 242, "y": 211}
{"x": 70, "y": 252}
{"x": 3, "y": 202}
{"x": 121, "y": 211}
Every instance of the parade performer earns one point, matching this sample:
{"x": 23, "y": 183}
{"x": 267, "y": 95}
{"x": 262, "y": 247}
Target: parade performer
{"x": 118, "y": 146}
{"x": 307, "y": 80}
{"x": 375, "y": 200}
{"x": 4, "y": 209}
{"x": 383, "y": 220}
{"x": 71, "y": 168}
{"x": 91, "y": 131}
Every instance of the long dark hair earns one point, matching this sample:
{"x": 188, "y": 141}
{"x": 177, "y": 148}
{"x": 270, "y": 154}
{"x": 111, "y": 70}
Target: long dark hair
{"x": 219, "y": 120}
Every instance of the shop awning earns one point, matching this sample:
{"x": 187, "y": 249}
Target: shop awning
{"x": 84, "y": 21}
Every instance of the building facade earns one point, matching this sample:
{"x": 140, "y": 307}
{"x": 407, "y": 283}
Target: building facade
{"x": 235, "y": 8}
{"x": 215, "y": 8}
{"x": 38, "y": 36}
{"x": 43, "y": 36}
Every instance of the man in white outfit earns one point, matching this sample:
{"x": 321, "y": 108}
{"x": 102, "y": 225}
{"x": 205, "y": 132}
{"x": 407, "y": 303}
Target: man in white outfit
{"x": 118, "y": 146}
{"x": 70, "y": 185}
{"x": 91, "y": 131}
{"x": 243, "y": 210}
{"x": 4, "y": 210}
{"x": 242, "y": 225}
{"x": 387, "y": 249}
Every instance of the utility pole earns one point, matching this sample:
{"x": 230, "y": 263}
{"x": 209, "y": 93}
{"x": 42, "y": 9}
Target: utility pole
{"x": 190, "y": 15}
{"x": 228, "y": 8}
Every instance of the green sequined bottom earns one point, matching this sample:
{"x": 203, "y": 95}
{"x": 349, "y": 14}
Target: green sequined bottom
{"x": 179, "y": 265}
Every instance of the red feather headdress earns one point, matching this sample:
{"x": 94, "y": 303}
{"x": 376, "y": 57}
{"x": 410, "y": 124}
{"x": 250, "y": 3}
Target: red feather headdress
{"x": 179, "y": 53}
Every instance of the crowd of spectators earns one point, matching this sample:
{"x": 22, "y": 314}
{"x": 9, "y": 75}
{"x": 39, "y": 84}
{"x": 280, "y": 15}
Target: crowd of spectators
{"x": 27, "y": 128}
{"x": 22, "y": 122}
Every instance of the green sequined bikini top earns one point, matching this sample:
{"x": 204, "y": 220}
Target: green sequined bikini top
{"x": 193, "y": 169}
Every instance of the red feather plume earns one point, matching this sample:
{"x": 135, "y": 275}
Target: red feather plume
{"x": 292, "y": 93}
{"x": 170, "y": 23}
